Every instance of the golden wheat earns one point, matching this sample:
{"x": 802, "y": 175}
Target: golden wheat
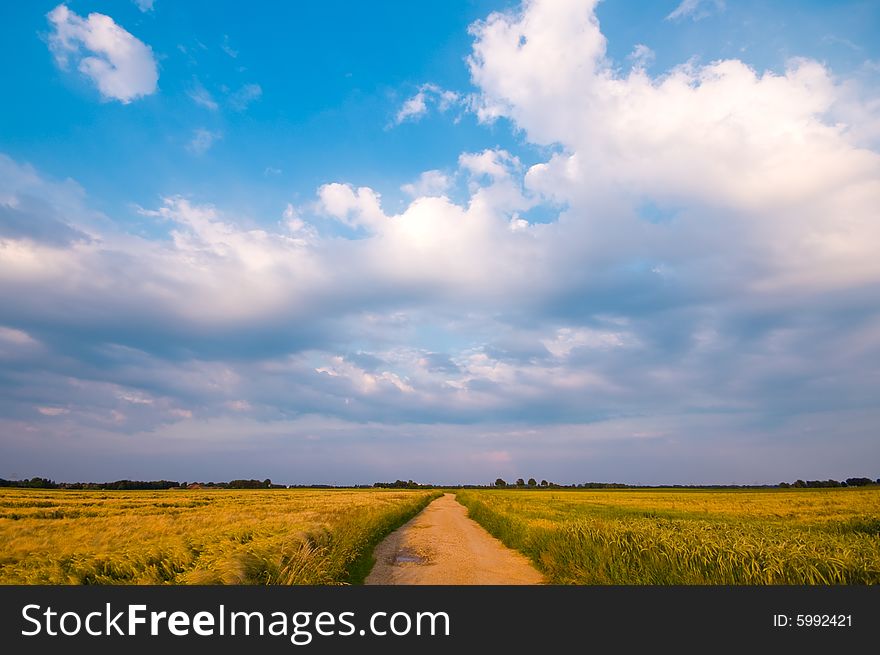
{"x": 827, "y": 536}
{"x": 195, "y": 537}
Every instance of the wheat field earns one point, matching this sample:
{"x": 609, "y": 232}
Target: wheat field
{"x": 663, "y": 537}
{"x": 284, "y": 536}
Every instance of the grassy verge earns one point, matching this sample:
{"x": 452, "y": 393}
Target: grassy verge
{"x": 363, "y": 560}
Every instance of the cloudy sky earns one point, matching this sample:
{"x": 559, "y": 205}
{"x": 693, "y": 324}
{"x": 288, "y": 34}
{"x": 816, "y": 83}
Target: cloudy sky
{"x": 341, "y": 242}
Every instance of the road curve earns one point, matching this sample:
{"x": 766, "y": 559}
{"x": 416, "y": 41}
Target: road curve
{"x": 442, "y": 546}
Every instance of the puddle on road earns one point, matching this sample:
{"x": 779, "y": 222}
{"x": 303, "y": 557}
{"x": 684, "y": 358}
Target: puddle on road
{"x": 408, "y": 557}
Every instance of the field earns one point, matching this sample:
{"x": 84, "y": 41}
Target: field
{"x": 196, "y": 537}
{"x": 286, "y": 536}
{"x": 753, "y": 537}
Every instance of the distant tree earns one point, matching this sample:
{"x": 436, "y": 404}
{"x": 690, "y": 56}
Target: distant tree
{"x": 246, "y": 484}
{"x": 544, "y": 483}
{"x": 500, "y": 483}
{"x": 520, "y": 482}
{"x": 822, "y": 484}
{"x": 267, "y": 483}
{"x": 784, "y": 485}
{"x": 41, "y": 483}
{"x": 858, "y": 482}
{"x": 799, "y": 484}
{"x": 402, "y": 484}
{"x": 532, "y": 482}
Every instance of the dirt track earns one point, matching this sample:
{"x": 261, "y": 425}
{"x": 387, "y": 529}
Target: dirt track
{"x": 441, "y": 545}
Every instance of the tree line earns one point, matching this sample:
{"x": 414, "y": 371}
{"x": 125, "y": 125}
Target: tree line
{"x": 520, "y": 483}
{"x": 823, "y": 484}
{"x": 139, "y": 485}
{"x": 400, "y": 484}
{"x": 531, "y": 483}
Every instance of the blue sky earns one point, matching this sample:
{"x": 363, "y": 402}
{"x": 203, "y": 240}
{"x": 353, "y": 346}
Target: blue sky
{"x": 341, "y": 242}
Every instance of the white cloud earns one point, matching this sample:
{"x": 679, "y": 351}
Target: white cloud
{"x": 17, "y": 338}
{"x": 496, "y": 164}
{"x": 53, "y": 411}
{"x": 122, "y": 67}
{"x": 695, "y": 9}
{"x": 565, "y": 340}
{"x": 833, "y": 39}
{"x": 144, "y": 5}
{"x": 495, "y": 179}
{"x": 228, "y": 48}
{"x": 446, "y": 99}
{"x": 202, "y": 140}
{"x": 362, "y": 381}
{"x": 754, "y": 157}
{"x": 244, "y": 96}
{"x": 303, "y": 234}
{"x": 357, "y": 208}
{"x": 417, "y": 105}
{"x": 17, "y": 344}
{"x": 134, "y": 397}
{"x": 518, "y": 224}
{"x": 413, "y": 108}
{"x": 201, "y": 96}
{"x": 430, "y": 183}
{"x": 642, "y": 56}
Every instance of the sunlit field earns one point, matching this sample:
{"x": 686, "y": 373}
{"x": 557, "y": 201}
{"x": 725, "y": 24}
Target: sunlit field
{"x": 196, "y": 537}
{"x": 751, "y": 537}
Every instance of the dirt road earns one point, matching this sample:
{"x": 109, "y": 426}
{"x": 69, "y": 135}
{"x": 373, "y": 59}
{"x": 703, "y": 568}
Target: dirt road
{"x": 441, "y": 545}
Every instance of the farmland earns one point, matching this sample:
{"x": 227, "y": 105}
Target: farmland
{"x": 310, "y": 536}
{"x": 196, "y": 537}
{"x": 753, "y": 537}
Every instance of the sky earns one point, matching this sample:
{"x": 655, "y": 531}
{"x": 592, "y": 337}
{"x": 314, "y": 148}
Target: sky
{"x": 447, "y": 241}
